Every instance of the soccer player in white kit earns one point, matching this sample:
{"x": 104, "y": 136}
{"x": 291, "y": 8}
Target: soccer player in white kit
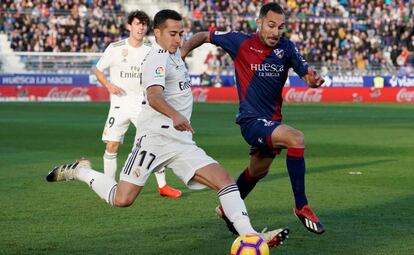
{"x": 124, "y": 58}
{"x": 166, "y": 139}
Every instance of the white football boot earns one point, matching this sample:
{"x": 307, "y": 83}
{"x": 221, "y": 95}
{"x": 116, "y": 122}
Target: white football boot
{"x": 275, "y": 237}
{"x": 67, "y": 172}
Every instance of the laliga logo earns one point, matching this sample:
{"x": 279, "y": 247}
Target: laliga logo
{"x": 405, "y": 95}
{"x": 309, "y": 95}
{"x": 159, "y": 72}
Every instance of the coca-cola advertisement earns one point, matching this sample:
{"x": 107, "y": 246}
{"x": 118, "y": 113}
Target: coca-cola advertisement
{"x": 405, "y": 96}
{"x": 212, "y": 94}
{"x": 349, "y": 95}
{"x": 304, "y": 96}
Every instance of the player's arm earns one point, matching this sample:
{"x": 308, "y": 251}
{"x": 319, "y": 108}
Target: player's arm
{"x": 301, "y": 67}
{"x": 313, "y": 79}
{"x": 194, "y": 42}
{"x": 112, "y": 88}
{"x": 157, "y": 101}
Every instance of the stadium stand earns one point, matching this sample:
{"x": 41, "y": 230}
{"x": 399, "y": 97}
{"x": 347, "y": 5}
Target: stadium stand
{"x": 62, "y": 26}
{"x": 337, "y": 36}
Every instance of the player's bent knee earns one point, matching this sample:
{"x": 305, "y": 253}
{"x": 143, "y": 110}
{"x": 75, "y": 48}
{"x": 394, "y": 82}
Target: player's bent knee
{"x": 297, "y": 139}
{"x": 123, "y": 201}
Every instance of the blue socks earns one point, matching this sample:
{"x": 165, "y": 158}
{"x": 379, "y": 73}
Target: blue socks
{"x": 296, "y": 168}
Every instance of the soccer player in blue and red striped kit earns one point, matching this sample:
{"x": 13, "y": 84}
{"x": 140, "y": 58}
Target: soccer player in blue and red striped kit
{"x": 262, "y": 61}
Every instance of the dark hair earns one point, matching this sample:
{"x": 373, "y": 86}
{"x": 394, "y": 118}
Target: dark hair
{"x": 140, "y": 15}
{"x": 274, "y": 7}
{"x": 163, "y": 15}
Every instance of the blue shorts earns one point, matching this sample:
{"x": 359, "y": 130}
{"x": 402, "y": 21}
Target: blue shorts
{"x": 258, "y": 134}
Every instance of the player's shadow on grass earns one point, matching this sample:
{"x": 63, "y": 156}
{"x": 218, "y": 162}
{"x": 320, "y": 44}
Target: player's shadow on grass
{"x": 372, "y": 229}
{"x": 277, "y": 173}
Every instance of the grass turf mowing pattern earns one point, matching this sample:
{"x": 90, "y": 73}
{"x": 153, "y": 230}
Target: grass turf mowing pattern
{"x": 367, "y": 213}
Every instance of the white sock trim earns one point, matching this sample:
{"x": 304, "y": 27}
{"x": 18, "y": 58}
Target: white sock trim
{"x": 112, "y": 194}
{"x": 109, "y": 155}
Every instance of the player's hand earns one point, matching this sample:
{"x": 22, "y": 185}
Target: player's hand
{"x": 113, "y": 89}
{"x": 313, "y": 79}
{"x": 182, "y": 124}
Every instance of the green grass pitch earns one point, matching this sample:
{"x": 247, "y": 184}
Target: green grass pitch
{"x": 366, "y": 213}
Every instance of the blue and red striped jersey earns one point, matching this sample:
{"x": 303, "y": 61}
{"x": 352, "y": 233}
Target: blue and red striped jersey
{"x": 261, "y": 71}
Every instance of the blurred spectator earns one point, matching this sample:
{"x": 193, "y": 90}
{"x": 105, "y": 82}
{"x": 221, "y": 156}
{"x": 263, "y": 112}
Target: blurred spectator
{"x": 205, "y": 79}
{"x": 403, "y": 57}
{"x": 59, "y": 26}
{"x": 216, "y": 81}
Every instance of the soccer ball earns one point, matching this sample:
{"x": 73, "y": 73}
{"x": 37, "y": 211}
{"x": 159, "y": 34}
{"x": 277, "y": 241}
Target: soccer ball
{"x": 250, "y": 244}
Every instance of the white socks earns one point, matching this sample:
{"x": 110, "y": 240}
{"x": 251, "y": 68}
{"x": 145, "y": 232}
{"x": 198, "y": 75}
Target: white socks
{"x": 160, "y": 176}
{"x": 235, "y": 209}
{"x": 110, "y": 164}
{"x": 103, "y": 185}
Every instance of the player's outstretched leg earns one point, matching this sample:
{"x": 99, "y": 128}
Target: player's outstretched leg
{"x": 104, "y": 186}
{"x": 163, "y": 188}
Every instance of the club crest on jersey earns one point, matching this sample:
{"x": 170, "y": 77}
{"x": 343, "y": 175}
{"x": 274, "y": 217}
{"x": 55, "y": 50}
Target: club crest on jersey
{"x": 124, "y": 54}
{"x": 137, "y": 172}
{"x": 159, "y": 72}
{"x": 279, "y": 53}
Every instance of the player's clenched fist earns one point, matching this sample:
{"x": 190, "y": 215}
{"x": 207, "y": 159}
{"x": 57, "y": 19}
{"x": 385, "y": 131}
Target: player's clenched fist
{"x": 313, "y": 79}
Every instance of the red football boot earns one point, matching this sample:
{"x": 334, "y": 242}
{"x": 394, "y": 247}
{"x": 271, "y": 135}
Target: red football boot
{"x": 167, "y": 191}
{"x": 309, "y": 220}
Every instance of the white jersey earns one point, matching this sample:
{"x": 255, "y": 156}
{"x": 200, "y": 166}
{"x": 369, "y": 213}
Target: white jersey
{"x": 169, "y": 71}
{"x": 124, "y": 63}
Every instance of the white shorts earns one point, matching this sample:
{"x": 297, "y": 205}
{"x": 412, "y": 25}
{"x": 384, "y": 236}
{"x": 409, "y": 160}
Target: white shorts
{"x": 152, "y": 153}
{"x": 117, "y": 123}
